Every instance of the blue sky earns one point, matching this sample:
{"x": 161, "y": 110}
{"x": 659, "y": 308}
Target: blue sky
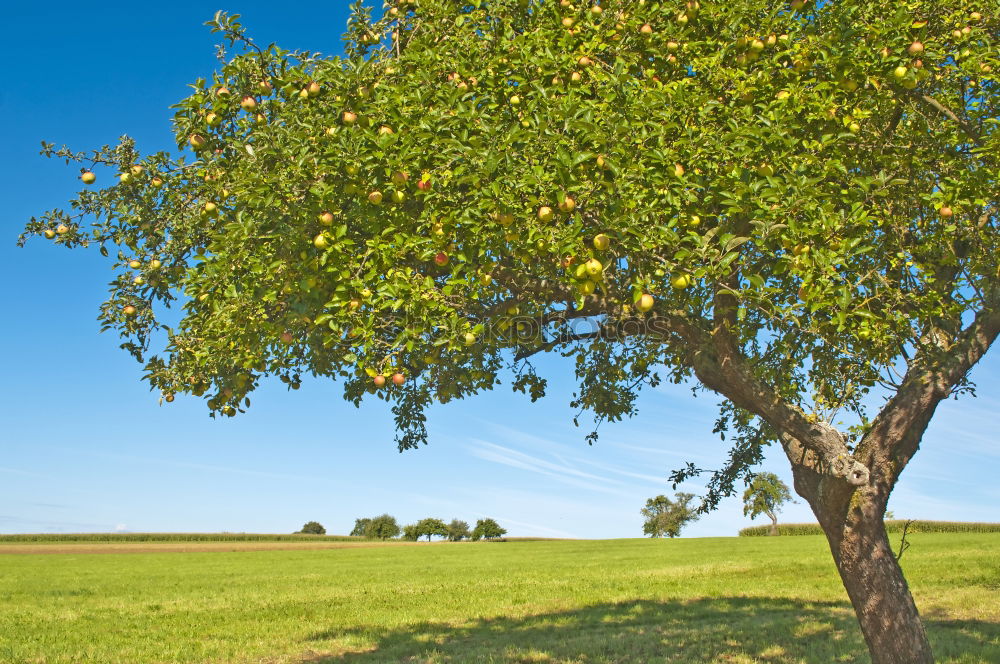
{"x": 85, "y": 447}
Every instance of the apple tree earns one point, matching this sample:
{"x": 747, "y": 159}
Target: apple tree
{"x": 765, "y": 494}
{"x": 793, "y": 205}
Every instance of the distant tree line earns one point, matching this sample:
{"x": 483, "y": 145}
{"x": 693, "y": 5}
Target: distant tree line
{"x": 386, "y": 527}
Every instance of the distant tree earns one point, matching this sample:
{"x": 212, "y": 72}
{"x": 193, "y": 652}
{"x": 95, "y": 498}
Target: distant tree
{"x": 889, "y": 515}
{"x": 382, "y": 527}
{"x": 360, "y": 527}
{"x": 312, "y": 528}
{"x": 487, "y": 529}
{"x": 411, "y": 532}
{"x": 666, "y": 517}
{"x": 431, "y": 526}
{"x": 458, "y": 530}
{"x": 765, "y": 495}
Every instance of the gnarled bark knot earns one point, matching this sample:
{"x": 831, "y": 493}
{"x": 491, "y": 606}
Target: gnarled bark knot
{"x": 852, "y": 470}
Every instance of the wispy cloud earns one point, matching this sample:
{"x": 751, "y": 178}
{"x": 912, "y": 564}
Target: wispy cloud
{"x": 17, "y": 471}
{"x": 510, "y": 457}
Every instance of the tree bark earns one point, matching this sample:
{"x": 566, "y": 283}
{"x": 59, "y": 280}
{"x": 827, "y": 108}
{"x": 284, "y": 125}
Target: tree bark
{"x": 874, "y": 581}
{"x": 774, "y": 524}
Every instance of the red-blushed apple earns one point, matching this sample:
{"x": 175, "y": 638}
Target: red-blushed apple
{"x": 326, "y": 218}
{"x": 62, "y": 229}
{"x": 645, "y": 302}
{"x": 265, "y": 87}
{"x": 313, "y": 88}
{"x": 222, "y": 91}
{"x": 129, "y": 310}
{"x": 400, "y": 178}
{"x": 568, "y": 22}
{"x": 248, "y": 103}
{"x": 545, "y": 213}
{"x": 379, "y": 381}
{"x": 946, "y": 212}
{"x": 349, "y": 118}
{"x": 398, "y": 379}
{"x": 916, "y": 48}
{"x": 584, "y": 61}
{"x": 678, "y": 170}
{"x": 602, "y": 242}
{"x": 441, "y": 259}
{"x": 375, "y": 198}
{"x": 320, "y": 242}
{"x": 287, "y": 337}
{"x": 385, "y": 130}
{"x": 88, "y": 177}
{"x": 646, "y": 29}
{"x": 568, "y": 204}
{"x": 424, "y": 184}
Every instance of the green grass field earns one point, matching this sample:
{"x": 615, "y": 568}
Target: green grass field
{"x": 733, "y": 600}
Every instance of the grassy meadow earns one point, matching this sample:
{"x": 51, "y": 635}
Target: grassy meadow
{"x": 729, "y": 600}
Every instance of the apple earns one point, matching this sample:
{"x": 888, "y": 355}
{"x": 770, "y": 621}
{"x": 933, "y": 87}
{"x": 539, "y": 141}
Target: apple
{"x": 169, "y": 398}
{"x": 213, "y": 119}
{"x": 425, "y": 183}
{"x": 398, "y": 379}
{"x": 797, "y": 4}
{"x": 584, "y": 61}
{"x": 156, "y": 182}
{"x": 900, "y": 72}
{"x": 379, "y": 381}
{"x": 515, "y": 100}
{"x": 587, "y": 287}
{"x": 349, "y": 118}
{"x": 211, "y": 208}
{"x": 400, "y": 178}
{"x": 766, "y": 170}
{"x": 645, "y": 302}
{"x": 375, "y": 197}
{"x": 129, "y": 310}
{"x": 678, "y": 170}
{"x": 124, "y": 178}
{"x": 602, "y": 242}
{"x": 326, "y": 218}
{"x": 248, "y": 103}
{"x": 320, "y": 242}
{"x": 441, "y": 259}
{"x": 757, "y": 45}
{"x": 505, "y": 219}
{"x": 49, "y": 233}
{"x": 313, "y": 88}
{"x": 672, "y": 46}
{"x": 354, "y": 304}
{"x": 594, "y": 267}
{"x": 134, "y": 264}
{"x": 681, "y": 281}
{"x": 596, "y": 10}
{"x": 946, "y": 212}
{"x": 568, "y": 204}
{"x": 398, "y": 197}
{"x": 88, "y": 177}
{"x": 286, "y": 337}
{"x": 222, "y": 91}
{"x": 801, "y": 249}
{"x": 304, "y": 93}
{"x": 545, "y": 213}
{"x": 854, "y": 127}
{"x": 198, "y": 141}
{"x": 916, "y": 48}
{"x": 155, "y": 264}
{"x": 646, "y": 29}
{"x": 782, "y": 95}
{"x": 469, "y": 339}
{"x": 385, "y": 129}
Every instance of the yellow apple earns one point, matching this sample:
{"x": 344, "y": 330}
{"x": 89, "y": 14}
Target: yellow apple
{"x": 88, "y": 177}
{"x": 602, "y": 242}
{"x": 645, "y": 302}
{"x": 545, "y": 213}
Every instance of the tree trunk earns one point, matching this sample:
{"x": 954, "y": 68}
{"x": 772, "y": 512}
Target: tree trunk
{"x": 774, "y": 524}
{"x": 881, "y": 598}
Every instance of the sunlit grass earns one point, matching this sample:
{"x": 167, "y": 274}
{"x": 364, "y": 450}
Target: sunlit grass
{"x": 730, "y": 600}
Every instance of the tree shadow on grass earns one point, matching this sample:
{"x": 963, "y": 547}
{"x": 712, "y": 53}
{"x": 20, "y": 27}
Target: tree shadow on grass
{"x": 731, "y": 630}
